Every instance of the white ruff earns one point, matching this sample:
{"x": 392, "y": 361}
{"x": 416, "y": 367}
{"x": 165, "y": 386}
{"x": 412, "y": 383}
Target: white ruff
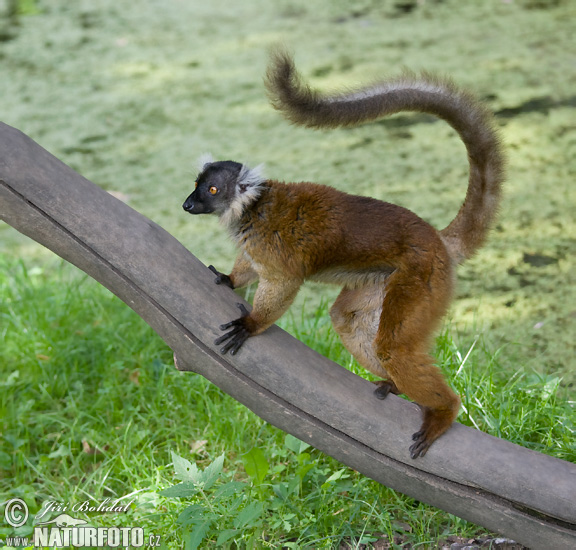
{"x": 248, "y": 189}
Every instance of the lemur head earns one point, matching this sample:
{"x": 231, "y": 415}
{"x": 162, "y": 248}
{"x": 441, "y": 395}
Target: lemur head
{"x": 224, "y": 188}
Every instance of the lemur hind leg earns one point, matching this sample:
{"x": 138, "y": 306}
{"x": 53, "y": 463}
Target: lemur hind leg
{"x": 356, "y": 317}
{"x": 414, "y": 304}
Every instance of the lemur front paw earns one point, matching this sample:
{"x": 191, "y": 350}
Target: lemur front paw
{"x": 235, "y": 337}
{"x": 221, "y": 278}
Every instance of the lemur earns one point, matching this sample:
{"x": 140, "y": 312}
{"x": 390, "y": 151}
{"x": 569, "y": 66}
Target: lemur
{"x": 397, "y": 272}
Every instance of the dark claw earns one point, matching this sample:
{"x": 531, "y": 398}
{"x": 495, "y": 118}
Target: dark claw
{"x": 221, "y": 278}
{"x": 382, "y": 391}
{"x": 234, "y": 338}
{"x": 384, "y": 388}
{"x": 417, "y": 435}
{"x": 420, "y": 446}
{"x": 243, "y": 311}
{"x": 230, "y": 334}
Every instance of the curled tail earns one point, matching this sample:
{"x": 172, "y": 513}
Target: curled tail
{"x": 421, "y": 93}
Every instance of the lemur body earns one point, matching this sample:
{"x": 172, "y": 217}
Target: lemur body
{"x": 396, "y": 270}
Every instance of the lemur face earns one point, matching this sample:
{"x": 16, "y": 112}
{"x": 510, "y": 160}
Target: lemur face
{"x": 225, "y": 188}
{"x": 215, "y": 188}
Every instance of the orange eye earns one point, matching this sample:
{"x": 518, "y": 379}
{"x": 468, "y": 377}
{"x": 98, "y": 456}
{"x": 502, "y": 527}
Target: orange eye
{"x": 213, "y": 190}
{"x": 195, "y": 184}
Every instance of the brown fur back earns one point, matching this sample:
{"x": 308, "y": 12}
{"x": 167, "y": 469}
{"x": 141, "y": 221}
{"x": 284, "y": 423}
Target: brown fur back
{"x": 409, "y": 92}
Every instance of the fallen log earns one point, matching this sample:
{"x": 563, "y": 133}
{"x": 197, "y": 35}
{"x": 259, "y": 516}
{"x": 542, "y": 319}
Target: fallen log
{"x": 522, "y": 494}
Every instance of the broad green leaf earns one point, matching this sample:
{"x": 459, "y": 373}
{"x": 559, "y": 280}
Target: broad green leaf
{"x": 303, "y": 458}
{"x": 182, "y": 490}
{"x": 197, "y": 535}
{"x": 225, "y": 536}
{"x": 185, "y": 470}
{"x": 294, "y": 444}
{"x": 235, "y": 505}
{"x": 210, "y": 474}
{"x": 334, "y": 477}
{"x": 255, "y": 464}
{"x": 249, "y": 515}
{"x": 337, "y": 475}
{"x": 229, "y": 489}
{"x": 280, "y": 490}
{"x": 294, "y": 485}
{"x": 304, "y": 469}
{"x": 192, "y": 514}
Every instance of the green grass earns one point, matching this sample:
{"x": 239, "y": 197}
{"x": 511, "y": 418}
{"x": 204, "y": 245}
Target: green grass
{"x": 91, "y": 407}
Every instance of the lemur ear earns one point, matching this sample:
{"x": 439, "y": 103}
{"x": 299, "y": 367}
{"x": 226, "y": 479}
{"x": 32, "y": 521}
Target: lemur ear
{"x": 204, "y": 160}
{"x": 250, "y": 179}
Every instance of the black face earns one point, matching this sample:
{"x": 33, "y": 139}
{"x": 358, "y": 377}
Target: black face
{"x": 215, "y": 188}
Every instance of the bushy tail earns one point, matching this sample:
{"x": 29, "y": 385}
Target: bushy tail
{"x": 410, "y": 92}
